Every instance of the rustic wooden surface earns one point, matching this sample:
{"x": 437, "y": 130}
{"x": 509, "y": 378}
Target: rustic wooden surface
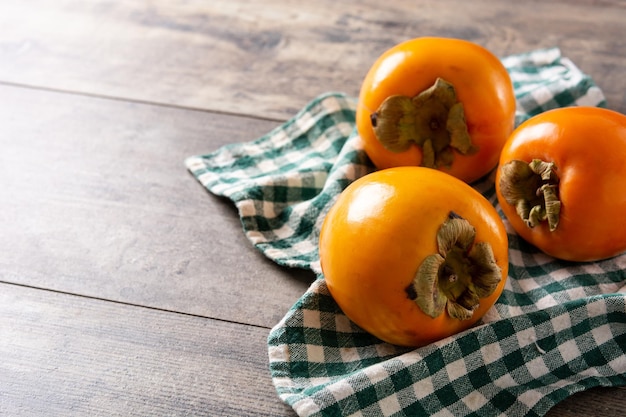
{"x": 125, "y": 288}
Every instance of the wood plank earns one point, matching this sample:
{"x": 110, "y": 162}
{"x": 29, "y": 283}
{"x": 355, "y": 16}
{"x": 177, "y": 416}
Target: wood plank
{"x": 605, "y": 402}
{"x": 66, "y": 355}
{"x": 96, "y": 201}
{"x": 269, "y": 58}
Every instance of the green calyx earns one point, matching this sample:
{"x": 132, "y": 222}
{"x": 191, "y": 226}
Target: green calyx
{"x": 458, "y": 276}
{"x": 433, "y": 120}
{"x": 532, "y": 188}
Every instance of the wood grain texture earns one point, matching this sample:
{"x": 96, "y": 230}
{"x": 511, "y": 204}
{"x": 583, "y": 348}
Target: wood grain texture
{"x": 606, "y": 402}
{"x": 64, "y": 355}
{"x": 96, "y": 201}
{"x": 67, "y": 355}
{"x": 269, "y": 58}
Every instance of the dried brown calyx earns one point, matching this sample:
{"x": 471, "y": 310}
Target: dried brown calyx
{"x": 532, "y": 188}
{"x": 434, "y": 120}
{"x": 459, "y": 275}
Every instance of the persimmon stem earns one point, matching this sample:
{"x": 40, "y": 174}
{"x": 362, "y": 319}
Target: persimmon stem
{"x": 434, "y": 120}
{"x": 532, "y": 188}
{"x": 459, "y": 275}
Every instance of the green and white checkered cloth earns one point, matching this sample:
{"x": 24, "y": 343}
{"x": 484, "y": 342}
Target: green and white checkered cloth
{"x": 558, "y": 328}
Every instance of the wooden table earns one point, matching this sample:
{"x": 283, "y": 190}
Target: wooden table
{"x": 126, "y": 288}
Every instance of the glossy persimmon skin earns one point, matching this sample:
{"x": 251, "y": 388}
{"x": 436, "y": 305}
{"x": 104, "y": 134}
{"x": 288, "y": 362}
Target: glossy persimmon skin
{"x": 481, "y": 82}
{"x": 377, "y": 234}
{"x": 588, "y": 147}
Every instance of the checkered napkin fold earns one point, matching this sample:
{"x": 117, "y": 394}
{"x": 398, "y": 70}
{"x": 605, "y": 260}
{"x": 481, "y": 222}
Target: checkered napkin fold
{"x": 558, "y": 327}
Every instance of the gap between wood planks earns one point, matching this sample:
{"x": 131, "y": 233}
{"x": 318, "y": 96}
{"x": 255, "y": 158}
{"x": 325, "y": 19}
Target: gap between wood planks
{"x": 125, "y": 303}
{"x": 139, "y": 101}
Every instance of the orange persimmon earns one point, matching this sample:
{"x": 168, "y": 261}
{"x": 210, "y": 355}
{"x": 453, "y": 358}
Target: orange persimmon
{"x": 561, "y": 182}
{"x": 436, "y": 102}
{"x": 413, "y": 255}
